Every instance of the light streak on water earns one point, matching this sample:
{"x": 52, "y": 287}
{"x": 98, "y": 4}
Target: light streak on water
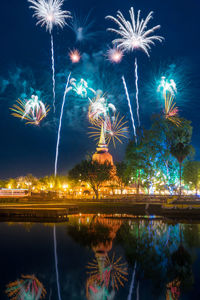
{"x": 132, "y": 283}
{"x": 56, "y": 262}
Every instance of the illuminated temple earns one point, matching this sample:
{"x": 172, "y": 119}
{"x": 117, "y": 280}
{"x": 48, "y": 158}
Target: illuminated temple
{"x": 102, "y": 155}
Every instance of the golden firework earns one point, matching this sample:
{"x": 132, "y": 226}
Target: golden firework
{"x": 33, "y": 116}
{"x": 171, "y": 110}
{"x": 28, "y": 286}
{"x": 115, "y": 129}
{"x": 114, "y": 272}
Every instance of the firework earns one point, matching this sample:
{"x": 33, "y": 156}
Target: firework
{"x": 171, "y": 111}
{"x": 99, "y": 108}
{"x": 74, "y": 56}
{"x": 81, "y": 87}
{"x": 115, "y": 55}
{"x": 167, "y": 86}
{"x": 28, "y": 287}
{"x": 32, "y": 110}
{"x": 49, "y": 13}
{"x": 82, "y": 28}
{"x": 67, "y": 89}
{"x": 113, "y": 273}
{"x": 134, "y": 35}
{"x": 130, "y": 108}
{"x": 115, "y": 128}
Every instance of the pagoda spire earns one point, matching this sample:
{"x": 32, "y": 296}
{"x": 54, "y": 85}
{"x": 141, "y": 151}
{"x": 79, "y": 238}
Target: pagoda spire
{"x": 102, "y": 140}
{"x": 102, "y": 146}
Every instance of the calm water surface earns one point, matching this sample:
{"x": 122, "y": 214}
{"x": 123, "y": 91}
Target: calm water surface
{"x": 104, "y": 257}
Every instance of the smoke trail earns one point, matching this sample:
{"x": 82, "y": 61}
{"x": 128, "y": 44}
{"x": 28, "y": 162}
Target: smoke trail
{"x": 53, "y": 73}
{"x": 137, "y": 91}
{"x": 130, "y": 108}
{"x": 132, "y": 283}
{"x": 60, "y": 124}
{"x": 56, "y": 262}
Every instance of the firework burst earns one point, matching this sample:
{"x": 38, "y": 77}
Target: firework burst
{"x": 99, "y": 108}
{"x": 113, "y": 273}
{"x": 134, "y": 35}
{"x": 49, "y": 13}
{"x": 171, "y": 111}
{"x": 115, "y": 129}
{"x": 32, "y": 110}
{"x": 115, "y": 55}
{"x": 28, "y": 287}
{"x": 74, "y": 56}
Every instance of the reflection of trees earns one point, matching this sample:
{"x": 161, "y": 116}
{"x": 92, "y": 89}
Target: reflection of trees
{"x": 151, "y": 245}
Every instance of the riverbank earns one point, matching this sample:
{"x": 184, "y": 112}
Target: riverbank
{"x": 33, "y": 209}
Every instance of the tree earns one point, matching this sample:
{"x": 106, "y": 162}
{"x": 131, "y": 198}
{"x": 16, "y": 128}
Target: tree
{"x": 191, "y": 174}
{"x": 180, "y": 152}
{"x": 93, "y": 173}
{"x": 122, "y": 174}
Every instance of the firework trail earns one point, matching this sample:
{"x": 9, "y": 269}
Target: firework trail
{"x": 132, "y": 283}
{"x": 67, "y": 89}
{"x": 49, "y": 13}
{"x": 134, "y": 35}
{"x": 53, "y": 73}
{"x": 130, "y": 108}
{"x": 137, "y": 90}
{"x": 56, "y": 261}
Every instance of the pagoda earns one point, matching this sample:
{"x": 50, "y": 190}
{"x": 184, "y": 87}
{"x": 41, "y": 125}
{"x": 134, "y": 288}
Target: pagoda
{"x": 102, "y": 155}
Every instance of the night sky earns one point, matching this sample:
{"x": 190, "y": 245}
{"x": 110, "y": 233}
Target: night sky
{"x": 25, "y": 56}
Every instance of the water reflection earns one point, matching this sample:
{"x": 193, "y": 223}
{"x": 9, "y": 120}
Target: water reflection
{"x": 115, "y": 257}
{"x": 28, "y": 287}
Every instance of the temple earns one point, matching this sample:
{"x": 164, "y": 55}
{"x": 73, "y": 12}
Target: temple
{"x": 102, "y": 155}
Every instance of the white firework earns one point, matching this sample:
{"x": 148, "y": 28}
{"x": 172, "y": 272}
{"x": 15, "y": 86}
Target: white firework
{"x": 34, "y": 105}
{"x": 134, "y": 34}
{"x": 49, "y": 13}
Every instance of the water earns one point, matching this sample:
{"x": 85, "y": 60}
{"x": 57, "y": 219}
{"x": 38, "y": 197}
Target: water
{"x": 98, "y": 255}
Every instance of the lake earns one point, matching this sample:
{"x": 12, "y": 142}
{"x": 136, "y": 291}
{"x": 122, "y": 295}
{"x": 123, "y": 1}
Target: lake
{"x": 99, "y": 256}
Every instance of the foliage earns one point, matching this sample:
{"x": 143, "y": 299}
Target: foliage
{"x": 92, "y": 172}
{"x": 191, "y": 174}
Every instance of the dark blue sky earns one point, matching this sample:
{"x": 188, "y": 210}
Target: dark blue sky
{"x": 25, "y": 149}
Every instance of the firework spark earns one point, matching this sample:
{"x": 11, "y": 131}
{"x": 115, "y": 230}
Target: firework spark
{"x": 134, "y": 35}
{"x": 171, "y": 111}
{"x": 74, "y": 56}
{"x": 32, "y": 110}
{"x": 115, "y": 55}
{"x": 28, "y": 287}
{"x": 114, "y": 272}
{"x": 114, "y": 129}
{"x": 49, "y": 13}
